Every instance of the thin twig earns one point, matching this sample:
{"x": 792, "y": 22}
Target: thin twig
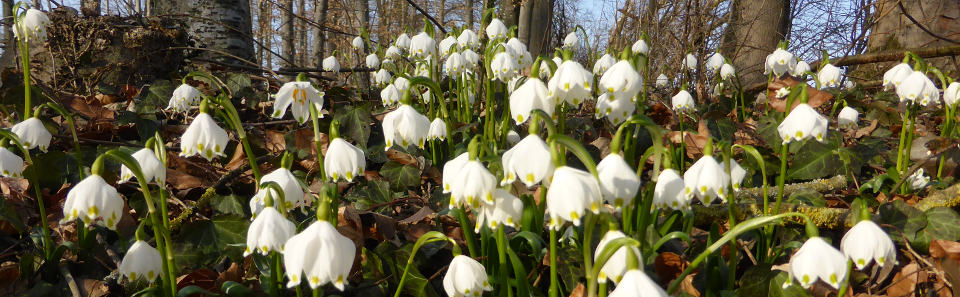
{"x": 424, "y": 13}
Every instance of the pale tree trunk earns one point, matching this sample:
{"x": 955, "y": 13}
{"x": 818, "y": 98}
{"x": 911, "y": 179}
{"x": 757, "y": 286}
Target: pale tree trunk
{"x": 441, "y": 12}
{"x": 302, "y": 33}
{"x": 509, "y": 12}
{"x": 288, "y": 48}
{"x": 364, "y": 86}
{"x": 523, "y": 23}
{"x": 469, "y": 12}
{"x": 226, "y": 27}
{"x": 319, "y": 37}
{"x": 753, "y": 32}
{"x": 541, "y": 16}
{"x": 894, "y": 30}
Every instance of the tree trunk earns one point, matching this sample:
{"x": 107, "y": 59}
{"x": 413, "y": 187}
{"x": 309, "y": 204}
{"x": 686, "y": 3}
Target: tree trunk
{"x": 287, "y": 35}
{"x": 541, "y": 16}
{"x": 319, "y": 37}
{"x": 509, "y": 12}
{"x": 469, "y": 12}
{"x": 364, "y": 86}
{"x": 754, "y": 29}
{"x": 90, "y": 7}
{"x": 226, "y": 26}
{"x": 302, "y": 28}
{"x": 523, "y": 23}
{"x": 895, "y": 30}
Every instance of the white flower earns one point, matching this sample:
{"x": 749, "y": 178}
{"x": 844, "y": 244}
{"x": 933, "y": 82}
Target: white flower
{"x": 298, "y": 96}
{"x": 801, "y": 69}
{"x": 383, "y": 77}
{"x": 343, "y": 160}
{"x": 570, "y": 40}
{"x": 603, "y": 64}
{"x": 32, "y": 26}
{"x": 952, "y": 94}
{"x": 848, "y": 117}
{"x": 403, "y": 42}
{"x": 918, "y": 88}
{"x": 636, "y": 283}
{"x": 727, "y": 71}
{"x": 331, "y": 64}
{"x": 782, "y": 92}
{"x": 465, "y": 276}
{"x": 454, "y": 66}
{"x": 292, "y": 191}
{"x": 669, "y": 191}
{"x": 451, "y": 169}
{"x": 513, "y": 137}
{"x": 402, "y": 84}
{"x": 616, "y": 111}
{"x": 390, "y": 94}
{"x": 405, "y": 125}
{"x": 918, "y": 180}
{"x": 93, "y": 201}
{"x": 468, "y": 39}
{"x": 715, "y": 62}
{"x": 496, "y": 30}
{"x": 471, "y": 58}
{"x": 803, "y": 122}
{"x": 683, "y": 102}
{"x": 706, "y": 180}
{"x": 423, "y": 46}
{"x": 865, "y": 243}
{"x": 150, "y": 166}
{"x": 616, "y": 265}
{"x": 618, "y": 182}
{"x": 203, "y": 137}
{"x": 141, "y": 260}
{"x": 640, "y": 47}
{"x": 829, "y": 76}
{"x": 690, "y": 61}
{"x": 817, "y": 259}
{"x": 531, "y": 95}
{"x": 570, "y": 83}
{"x": 472, "y": 184}
{"x": 438, "y": 130}
{"x": 621, "y": 81}
{"x": 357, "y": 43}
{"x": 320, "y": 254}
{"x": 393, "y": 52}
{"x": 737, "y": 173}
{"x": 446, "y": 45}
{"x": 504, "y": 66}
{"x": 32, "y": 133}
{"x": 11, "y": 165}
{"x": 662, "y": 80}
{"x": 893, "y": 77}
{"x": 780, "y": 62}
{"x": 505, "y": 210}
{"x": 372, "y": 61}
{"x": 183, "y": 97}
{"x": 849, "y": 84}
{"x": 572, "y": 192}
{"x": 268, "y": 232}
{"x": 529, "y": 161}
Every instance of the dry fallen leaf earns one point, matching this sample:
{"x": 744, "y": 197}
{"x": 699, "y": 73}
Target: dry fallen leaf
{"x": 817, "y": 97}
{"x": 905, "y": 282}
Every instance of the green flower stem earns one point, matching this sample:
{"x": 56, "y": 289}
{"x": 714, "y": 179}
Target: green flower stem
{"x": 734, "y": 251}
{"x": 903, "y": 140}
{"x": 782, "y": 179}
{"x": 45, "y": 227}
{"x": 906, "y": 153}
{"x": 318, "y": 292}
{"x": 466, "y": 227}
{"x": 846, "y": 281}
{"x": 25, "y": 61}
{"x": 314, "y": 115}
{"x": 683, "y": 144}
{"x": 603, "y": 289}
{"x": 946, "y": 132}
{"x": 554, "y": 279}
{"x": 428, "y": 237}
{"x": 608, "y": 250}
{"x": 502, "y": 259}
{"x": 587, "y": 249}
{"x": 234, "y": 118}
{"x": 277, "y": 274}
{"x": 577, "y": 149}
{"x": 73, "y": 130}
{"x": 539, "y": 116}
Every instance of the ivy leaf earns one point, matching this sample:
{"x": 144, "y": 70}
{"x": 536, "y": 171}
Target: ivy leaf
{"x": 230, "y": 204}
{"x": 776, "y": 288}
{"x": 814, "y": 160}
{"x": 905, "y": 218}
{"x": 400, "y": 176}
{"x": 355, "y": 123}
{"x": 943, "y": 223}
{"x": 222, "y": 234}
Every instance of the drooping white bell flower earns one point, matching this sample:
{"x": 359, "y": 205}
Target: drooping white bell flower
{"x": 203, "y": 137}
{"x": 952, "y": 94}
{"x": 496, "y": 29}
{"x": 446, "y": 45}
{"x": 390, "y": 95}
{"x": 570, "y": 83}
{"x": 621, "y": 81}
{"x": 473, "y": 185}
{"x": 529, "y": 161}
{"x": 357, "y": 43}
{"x": 183, "y": 98}
{"x": 465, "y": 276}
{"x": 690, "y": 62}
{"x": 829, "y": 76}
{"x": 801, "y": 69}
{"x": 513, "y": 137}
{"x": 618, "y": 182}
{"x": 468, "y": 40}
{"x": 454, "y": 65}
{"x": 505, "y": 210}
{"x": 423, "y": 46}
{"x": 531, "y": 95}
{"x": 343, "y": 160}
{"x": 141, "y": 260}
{"x": 918, "y": 180}
{"x": 32, "y": 134}
{"x": 393, "y": 52}
{"x": 403, "y": 42}
{"x": 320, "y": 255}
{"x": 402, "y": 84}
{"x": 737, "y": 173}
{"x": 11, "y": 165}
{"x": 471, "y": 58}
{"x": 683, "y": 102}
{"x": 640, "y": 47}
{"x": 780, "y": 62}
{"x": 706, "y": 180}
{"x": 727, "y": 71}
{"x": 616, "y": 265}
{"x": 570, "y": 41}
{"x": 372, "y": 61}
{"x": 438, "y": 130}
{"x": 382, "y": 77}
{"x": 616, "y": 111}
{"x": 268, "y": 232}
{"x": 293, "y": 195}
{"x": 803, "y": 122}
{"x": 715, "y": 61}
{"x": 669, "y": 191}
{"x": 504, "y": 66}
{"x": 817, "y": 259}
{"x": 918, "y": 88}
{"x": 865, "y": 243}
{"x": 151, "y": 167}
{"x": 893, "y": 77}
{"x": 331, "y": 64}
{"x": 298, "y": 96}
{"x": 32, "y": 26}
{"x": 636, "y": 283}
{"x": 405, "y": 126}
{"x": 604, "y": 63}
{"x": 848, "y": 117}
{"x": 451, "y": 169}
{"x": 572, "y": 191}
{"x": 662, "y": 80}
{"x": 93, "y": 201}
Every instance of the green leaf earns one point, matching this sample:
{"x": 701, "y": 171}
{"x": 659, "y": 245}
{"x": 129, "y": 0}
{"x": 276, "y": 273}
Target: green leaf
{"x": 767, "y": 129}
{"x": 222, "y": 235}
{"x": 155, "y": 98}
{"x": 235, "y": 289}
{"x": 905, "y": 218}
{"x": 355, "y": 123}
{"x": 814, "y": 160}
{"x": 943, "y": 223}
{"x": 190, "y": 290}
{"x": 8, "y": 215}
{"x": 776, "y": 288}
{"x": 756, "y": 281}
{"x": 807, "y": 196}
{"x": 400, "y": 176}
{"x": 236, "y": 82}
{"x": 230, "y": 204}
